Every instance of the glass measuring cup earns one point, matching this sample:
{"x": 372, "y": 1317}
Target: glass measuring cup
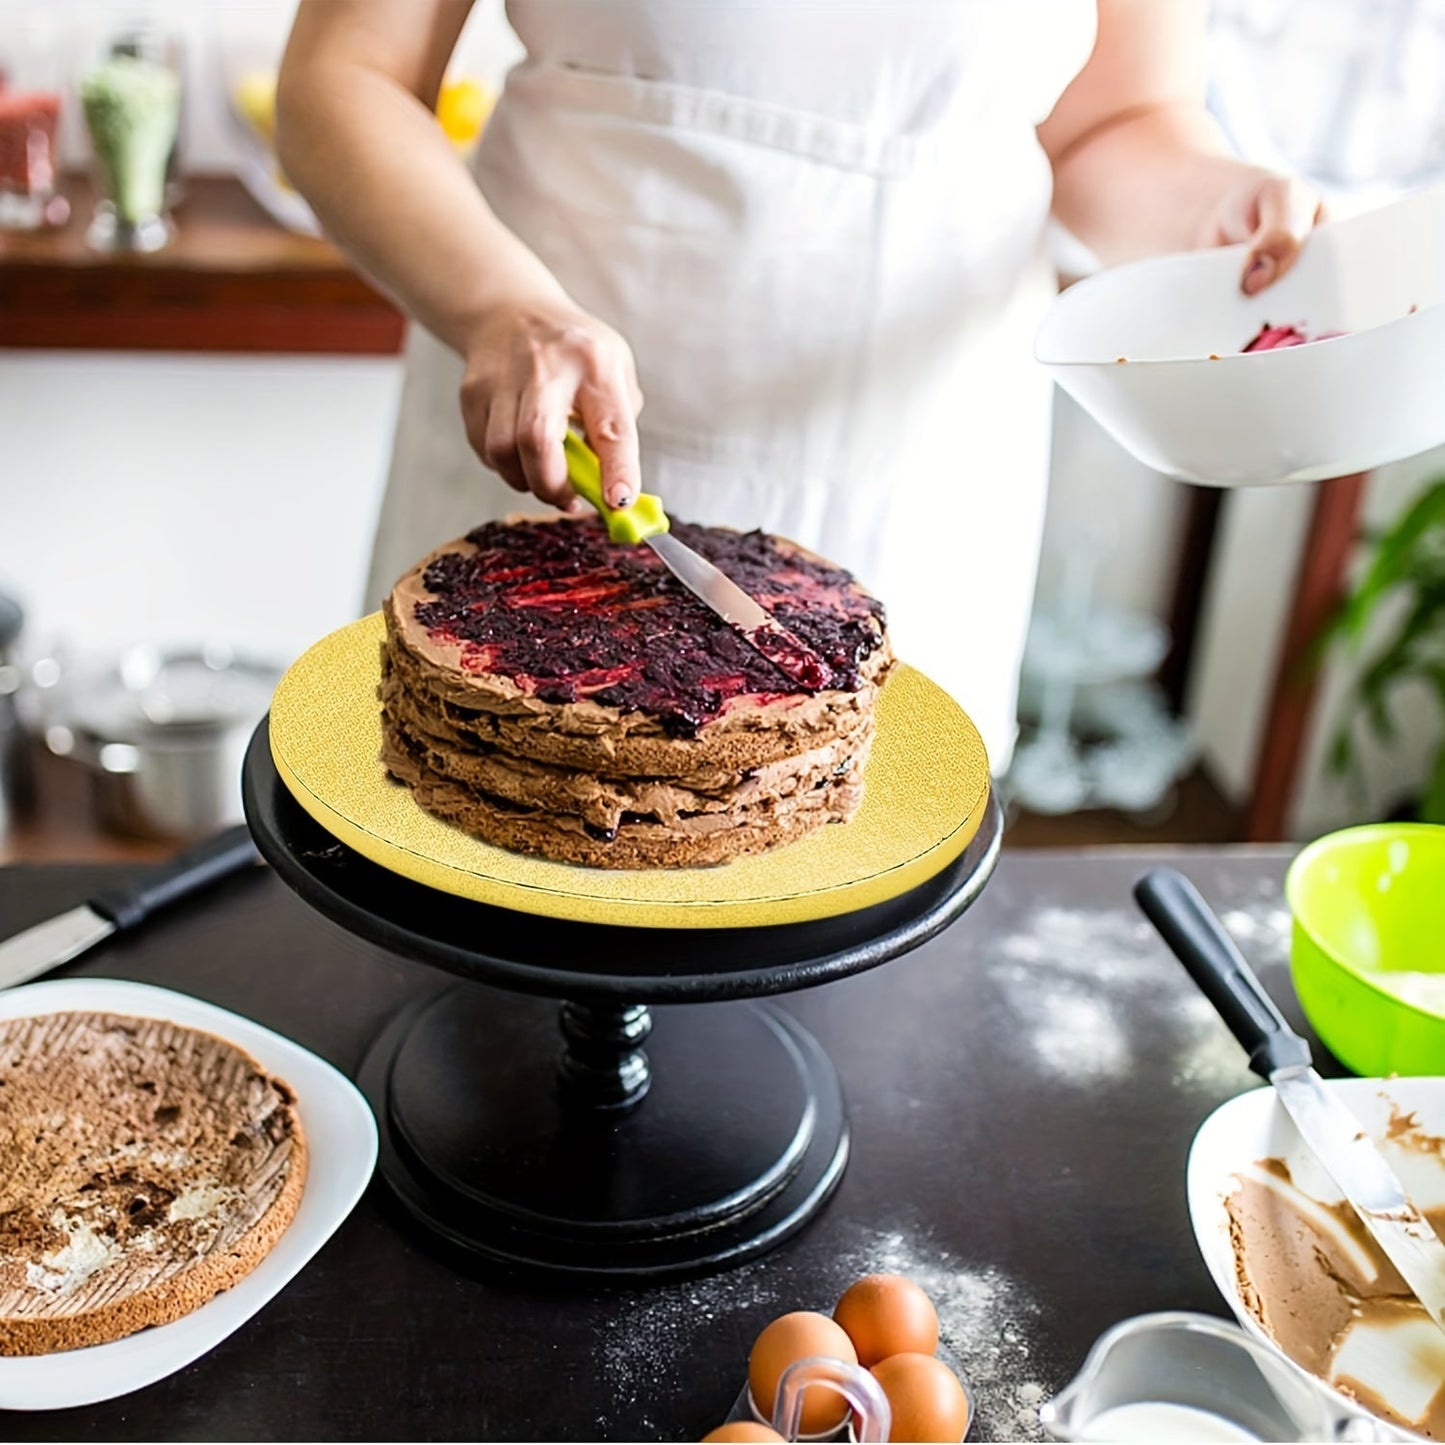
{"x": 1177, "y": 1376}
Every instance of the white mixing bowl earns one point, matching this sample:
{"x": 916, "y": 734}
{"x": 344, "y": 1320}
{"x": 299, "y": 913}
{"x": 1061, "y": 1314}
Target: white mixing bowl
{"x": 1152, "y": 351}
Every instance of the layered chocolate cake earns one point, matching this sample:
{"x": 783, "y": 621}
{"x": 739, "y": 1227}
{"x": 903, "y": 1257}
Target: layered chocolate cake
{"x": 556, "y": 693}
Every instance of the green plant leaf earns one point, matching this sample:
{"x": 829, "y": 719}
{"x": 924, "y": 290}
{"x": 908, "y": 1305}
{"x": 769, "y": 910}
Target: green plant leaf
{"x": 1408, "y": 556}
{"x": 1394, "y": 559}
{"x": 1342, "y": 751}
{"x": 1405, "y": 654}
{"x": 1432, "y": 805}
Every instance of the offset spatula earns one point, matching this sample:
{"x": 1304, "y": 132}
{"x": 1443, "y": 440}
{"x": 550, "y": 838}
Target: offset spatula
{"x": 1278, "y": 1054}
{"x": 645, "y": 521}
{"x": 47, "y": 945}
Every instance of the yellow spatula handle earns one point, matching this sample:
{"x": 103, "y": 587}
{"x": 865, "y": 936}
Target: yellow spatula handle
{"x": 643, "y": 519}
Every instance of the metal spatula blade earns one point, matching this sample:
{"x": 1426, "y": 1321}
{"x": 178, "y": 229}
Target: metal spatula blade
{"x": 645, "y": 521}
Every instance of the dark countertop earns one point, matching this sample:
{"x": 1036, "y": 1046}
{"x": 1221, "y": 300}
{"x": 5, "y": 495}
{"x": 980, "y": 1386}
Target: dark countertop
{"x": 1023, "y": 1092}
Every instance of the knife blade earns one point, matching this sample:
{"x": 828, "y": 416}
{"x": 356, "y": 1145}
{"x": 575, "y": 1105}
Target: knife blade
{"x": 1365, "y": 1178}
{"x": 645, "y": 521}
{"x": 66, "y": 936}
{"x": 714, "y": 587}
{"x": 1276, "y": 1053}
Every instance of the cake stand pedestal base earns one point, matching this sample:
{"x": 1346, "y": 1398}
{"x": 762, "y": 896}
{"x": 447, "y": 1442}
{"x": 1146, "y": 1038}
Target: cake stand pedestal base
{"x": 520, "y": 1144}
{"x": 604, "y": 1148}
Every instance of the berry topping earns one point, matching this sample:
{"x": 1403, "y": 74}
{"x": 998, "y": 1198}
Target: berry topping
{"x": 568, "y": 615}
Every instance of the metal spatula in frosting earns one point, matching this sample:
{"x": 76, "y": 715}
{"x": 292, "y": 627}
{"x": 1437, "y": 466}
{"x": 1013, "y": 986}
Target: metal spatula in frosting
{"x": 646, "y": 522}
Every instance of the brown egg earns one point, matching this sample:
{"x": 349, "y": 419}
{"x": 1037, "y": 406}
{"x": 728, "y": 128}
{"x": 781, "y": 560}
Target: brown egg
{"x": 885, "y": 1314}
{"x": 926, "y": 1399}
{"x": 741, "y": 1430}
{"x": 797, "y": 1337}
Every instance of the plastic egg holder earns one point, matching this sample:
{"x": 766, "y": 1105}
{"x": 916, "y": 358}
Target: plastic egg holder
{"x": 868, "y": 1414}
{"x": 869, "y": 1417}
{"x": 504, "y": 1150}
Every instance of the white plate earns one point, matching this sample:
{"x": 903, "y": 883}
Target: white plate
{"x": 1298, "y": 414}
{"x": 341, "y": 1151}
{"x": 1255, "y": 1126}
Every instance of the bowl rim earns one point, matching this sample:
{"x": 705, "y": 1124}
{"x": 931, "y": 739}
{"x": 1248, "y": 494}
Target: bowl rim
{"x": 1427, "y": 194}
{"x": 1309, "y": 856}
{"x": 1222, "y": 357}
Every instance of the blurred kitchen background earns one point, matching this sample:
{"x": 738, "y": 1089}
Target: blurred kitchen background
{"x": 185, "y": 426}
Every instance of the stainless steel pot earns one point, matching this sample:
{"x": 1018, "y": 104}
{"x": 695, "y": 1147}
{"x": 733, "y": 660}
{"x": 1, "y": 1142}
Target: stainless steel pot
{"x": 163, "y": 736}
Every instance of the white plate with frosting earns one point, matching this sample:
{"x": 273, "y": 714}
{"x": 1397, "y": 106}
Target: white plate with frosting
{"x": 341, "y": 1148}
{"x": 1267, "y": 1217}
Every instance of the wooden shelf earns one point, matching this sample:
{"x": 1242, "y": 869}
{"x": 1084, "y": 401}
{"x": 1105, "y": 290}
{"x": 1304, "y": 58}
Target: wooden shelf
{"x": 233, "y": 280}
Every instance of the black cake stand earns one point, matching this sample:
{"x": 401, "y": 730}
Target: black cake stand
{"x": 588, "y": 1153}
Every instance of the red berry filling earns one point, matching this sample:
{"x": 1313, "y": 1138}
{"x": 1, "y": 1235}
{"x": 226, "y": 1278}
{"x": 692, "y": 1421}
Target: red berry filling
{"x": 566, "y": 614}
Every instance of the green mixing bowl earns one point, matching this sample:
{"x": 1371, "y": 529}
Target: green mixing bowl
{"x": 1368, "y": 952}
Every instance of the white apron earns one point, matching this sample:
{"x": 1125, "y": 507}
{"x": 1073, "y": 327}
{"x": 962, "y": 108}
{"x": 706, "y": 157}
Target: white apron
{"x": 819, "y": 225}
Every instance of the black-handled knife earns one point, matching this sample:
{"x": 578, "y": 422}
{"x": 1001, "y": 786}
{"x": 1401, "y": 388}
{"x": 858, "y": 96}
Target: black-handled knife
{"x": 1186, "y": 923}
{"x": 1337, "y": 1139}
{"x": 64, "y": 937}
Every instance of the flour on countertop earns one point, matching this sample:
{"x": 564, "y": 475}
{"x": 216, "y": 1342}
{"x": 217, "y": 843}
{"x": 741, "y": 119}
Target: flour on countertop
{"x": 1210, "y": 1060}
{"x": 1063, "y": 976}
{"x": 988, "y": 1320}
{"x": 1066, "y": 971}
{"x": 1062, "y": 970}
{"x": 1096, "y": 943}
{"x": 1261, "y": 933}
{"x": 649, "y": 1344}
{"x": 1074, "y": 1031}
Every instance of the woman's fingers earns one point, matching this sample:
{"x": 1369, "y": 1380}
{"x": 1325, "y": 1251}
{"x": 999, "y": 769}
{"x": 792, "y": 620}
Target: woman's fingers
{"x": 499, "y": 445}
{"x": 542, "y": 417}
{"x": 1283, "y": 214}
{"x": 527, "y": 374}
{"x": 609, "y": 422}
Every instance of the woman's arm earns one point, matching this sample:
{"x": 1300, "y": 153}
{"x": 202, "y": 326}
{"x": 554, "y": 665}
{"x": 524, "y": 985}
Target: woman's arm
{"x": 1139, "y": 165}
{"x": 357, "y": 136}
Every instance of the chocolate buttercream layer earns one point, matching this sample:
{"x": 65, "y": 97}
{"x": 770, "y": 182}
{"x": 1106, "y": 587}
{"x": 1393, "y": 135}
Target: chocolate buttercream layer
{"x": 601, "y": 802}
{"x": 689, "y": 840}
{"x": 524, "y": 700}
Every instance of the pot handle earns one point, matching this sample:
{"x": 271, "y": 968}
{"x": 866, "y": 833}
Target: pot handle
{"x": 227, "y": 852}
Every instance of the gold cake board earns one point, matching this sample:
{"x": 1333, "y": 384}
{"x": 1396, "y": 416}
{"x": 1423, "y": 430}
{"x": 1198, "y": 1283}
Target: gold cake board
{"x": 926, "y": 788}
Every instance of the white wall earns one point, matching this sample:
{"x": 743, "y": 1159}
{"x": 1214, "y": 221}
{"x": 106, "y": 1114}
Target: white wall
{"x": 1103, "y": 500}
{"x": 175, "y": 499}
{"x": 200, "y": 476}
{"x": 1245, "y": 607}
{"x": 129, "y": 480}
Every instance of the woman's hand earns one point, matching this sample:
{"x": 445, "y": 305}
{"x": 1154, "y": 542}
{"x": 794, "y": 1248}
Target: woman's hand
{"x": 530, "y": 369}
{"x": 1141, "y": 168}
{"x": 357, "y": 135}
{"x": 1273, "y": 213}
